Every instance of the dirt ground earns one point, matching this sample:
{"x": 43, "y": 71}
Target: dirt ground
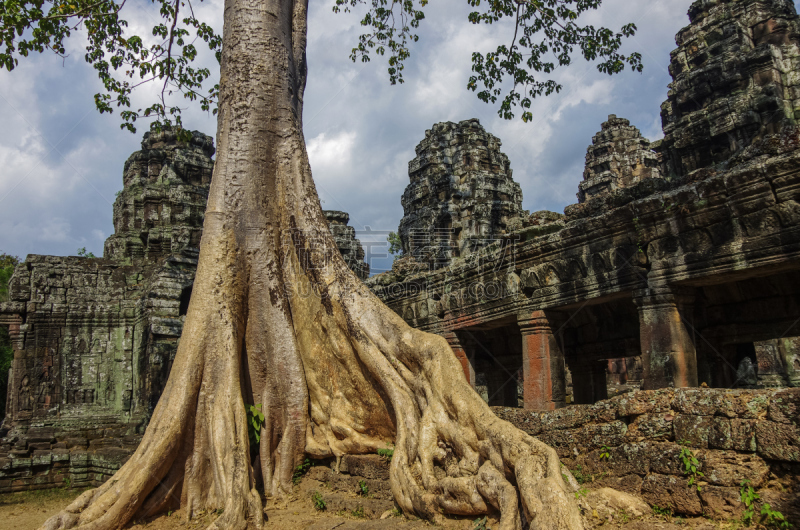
{"x": 28, "y": 510}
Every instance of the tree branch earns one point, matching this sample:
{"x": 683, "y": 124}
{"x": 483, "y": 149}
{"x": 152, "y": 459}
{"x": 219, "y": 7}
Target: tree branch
{"x": 84, "y": 11}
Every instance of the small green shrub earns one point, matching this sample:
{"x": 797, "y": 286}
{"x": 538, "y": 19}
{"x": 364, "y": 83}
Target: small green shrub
{"x": 664, "y": 513}
{"x": 255, "y": 419}
{"x": 749, "y": 498}
{"x": 82, "y": 252}
{"x": 581, "y": 493}
{"x": 768, "y": 517}
{"x": 358, "y": 512}
{"x": 582, "y": 477}
{"x": 319, "y": 502}
{"x": 387, "y": 453}
{"x": 480, "y": 524}
{"x": 604, "y": 453}
{"x": 690, "y": 465}
{"x": 362, "y": 485}
{"x": 773, "y": 518}
{"x": 301, "y": 470}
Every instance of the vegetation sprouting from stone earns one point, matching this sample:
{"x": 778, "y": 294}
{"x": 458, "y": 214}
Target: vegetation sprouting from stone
{"x": 480, "y": 524}
{"x": 769, "y": 518}
{"x": 7, "y": 264}
{"x": 387, "y": 453}
{"x": 690, "y": 465}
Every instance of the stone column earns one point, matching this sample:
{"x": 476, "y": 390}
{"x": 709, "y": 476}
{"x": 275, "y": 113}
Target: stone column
{"x": 667, "y": 337}
{"x": 542, "y": 362}
{"x": 461, "y": 354}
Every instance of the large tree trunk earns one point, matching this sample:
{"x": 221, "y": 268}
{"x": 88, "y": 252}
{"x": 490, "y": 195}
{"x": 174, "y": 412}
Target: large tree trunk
{"x": 277, "y": 318}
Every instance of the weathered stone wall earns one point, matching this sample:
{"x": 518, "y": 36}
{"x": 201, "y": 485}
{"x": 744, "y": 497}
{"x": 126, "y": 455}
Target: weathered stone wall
{"x": 736, "y": 435}
{"x": 461, "y": 196}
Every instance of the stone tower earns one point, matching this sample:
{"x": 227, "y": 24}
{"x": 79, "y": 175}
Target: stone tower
{"x": 349, "y": 246}
{"x": 618, "y": 158}
{"x": 734, "y": 80}
{"x": 461, "y": 194}
{"x": 161, "y": 206}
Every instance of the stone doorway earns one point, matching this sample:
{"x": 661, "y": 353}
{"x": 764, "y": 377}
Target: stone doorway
{"x": 495, "y": 355}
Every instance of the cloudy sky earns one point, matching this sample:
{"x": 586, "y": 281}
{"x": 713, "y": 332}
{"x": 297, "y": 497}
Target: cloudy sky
{"x": 61, "y": 162}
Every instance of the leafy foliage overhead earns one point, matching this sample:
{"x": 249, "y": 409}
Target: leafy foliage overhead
{"x": 122, "y": 61}
{"x": 546, "y": 34}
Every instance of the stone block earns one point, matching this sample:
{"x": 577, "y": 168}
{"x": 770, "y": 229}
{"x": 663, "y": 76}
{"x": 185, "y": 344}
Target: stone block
{"x": 668, "y": 491}
{"x": 778, "y": 441}
{"x": 76, "y": 443}
{"x": 628, "y": 483}
{"x": 586, "y": 438}
{"x": 367, "y": 466}
{"x": 41, "y": 458}
{"x": 724, "y": 502}
{"x": 664, "y": 458}
{"x": 18, "y": 463}
{"x": 566, "y": 418}
{"x": 693, "y": 430}
{"x": 784, "y": 406}
{"x": 628, "y": 459}
{"x": 40, "y": 434}
{"x": 719, "y": 436}
{"x": 702, "y": 402}
{"x": 653, "y": 427}
{"x": 60, "y": 455}
{"x": 743, "y": 435}
{"x": 728, "y": 468}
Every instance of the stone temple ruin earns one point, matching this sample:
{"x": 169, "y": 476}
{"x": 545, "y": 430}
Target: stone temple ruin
{"x": 679, "y": 264}
{"x": 678, "y": 267}
{"x": 94, "y": 339}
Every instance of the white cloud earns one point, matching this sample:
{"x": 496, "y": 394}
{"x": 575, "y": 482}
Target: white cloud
{"x": 333, "y": 153}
